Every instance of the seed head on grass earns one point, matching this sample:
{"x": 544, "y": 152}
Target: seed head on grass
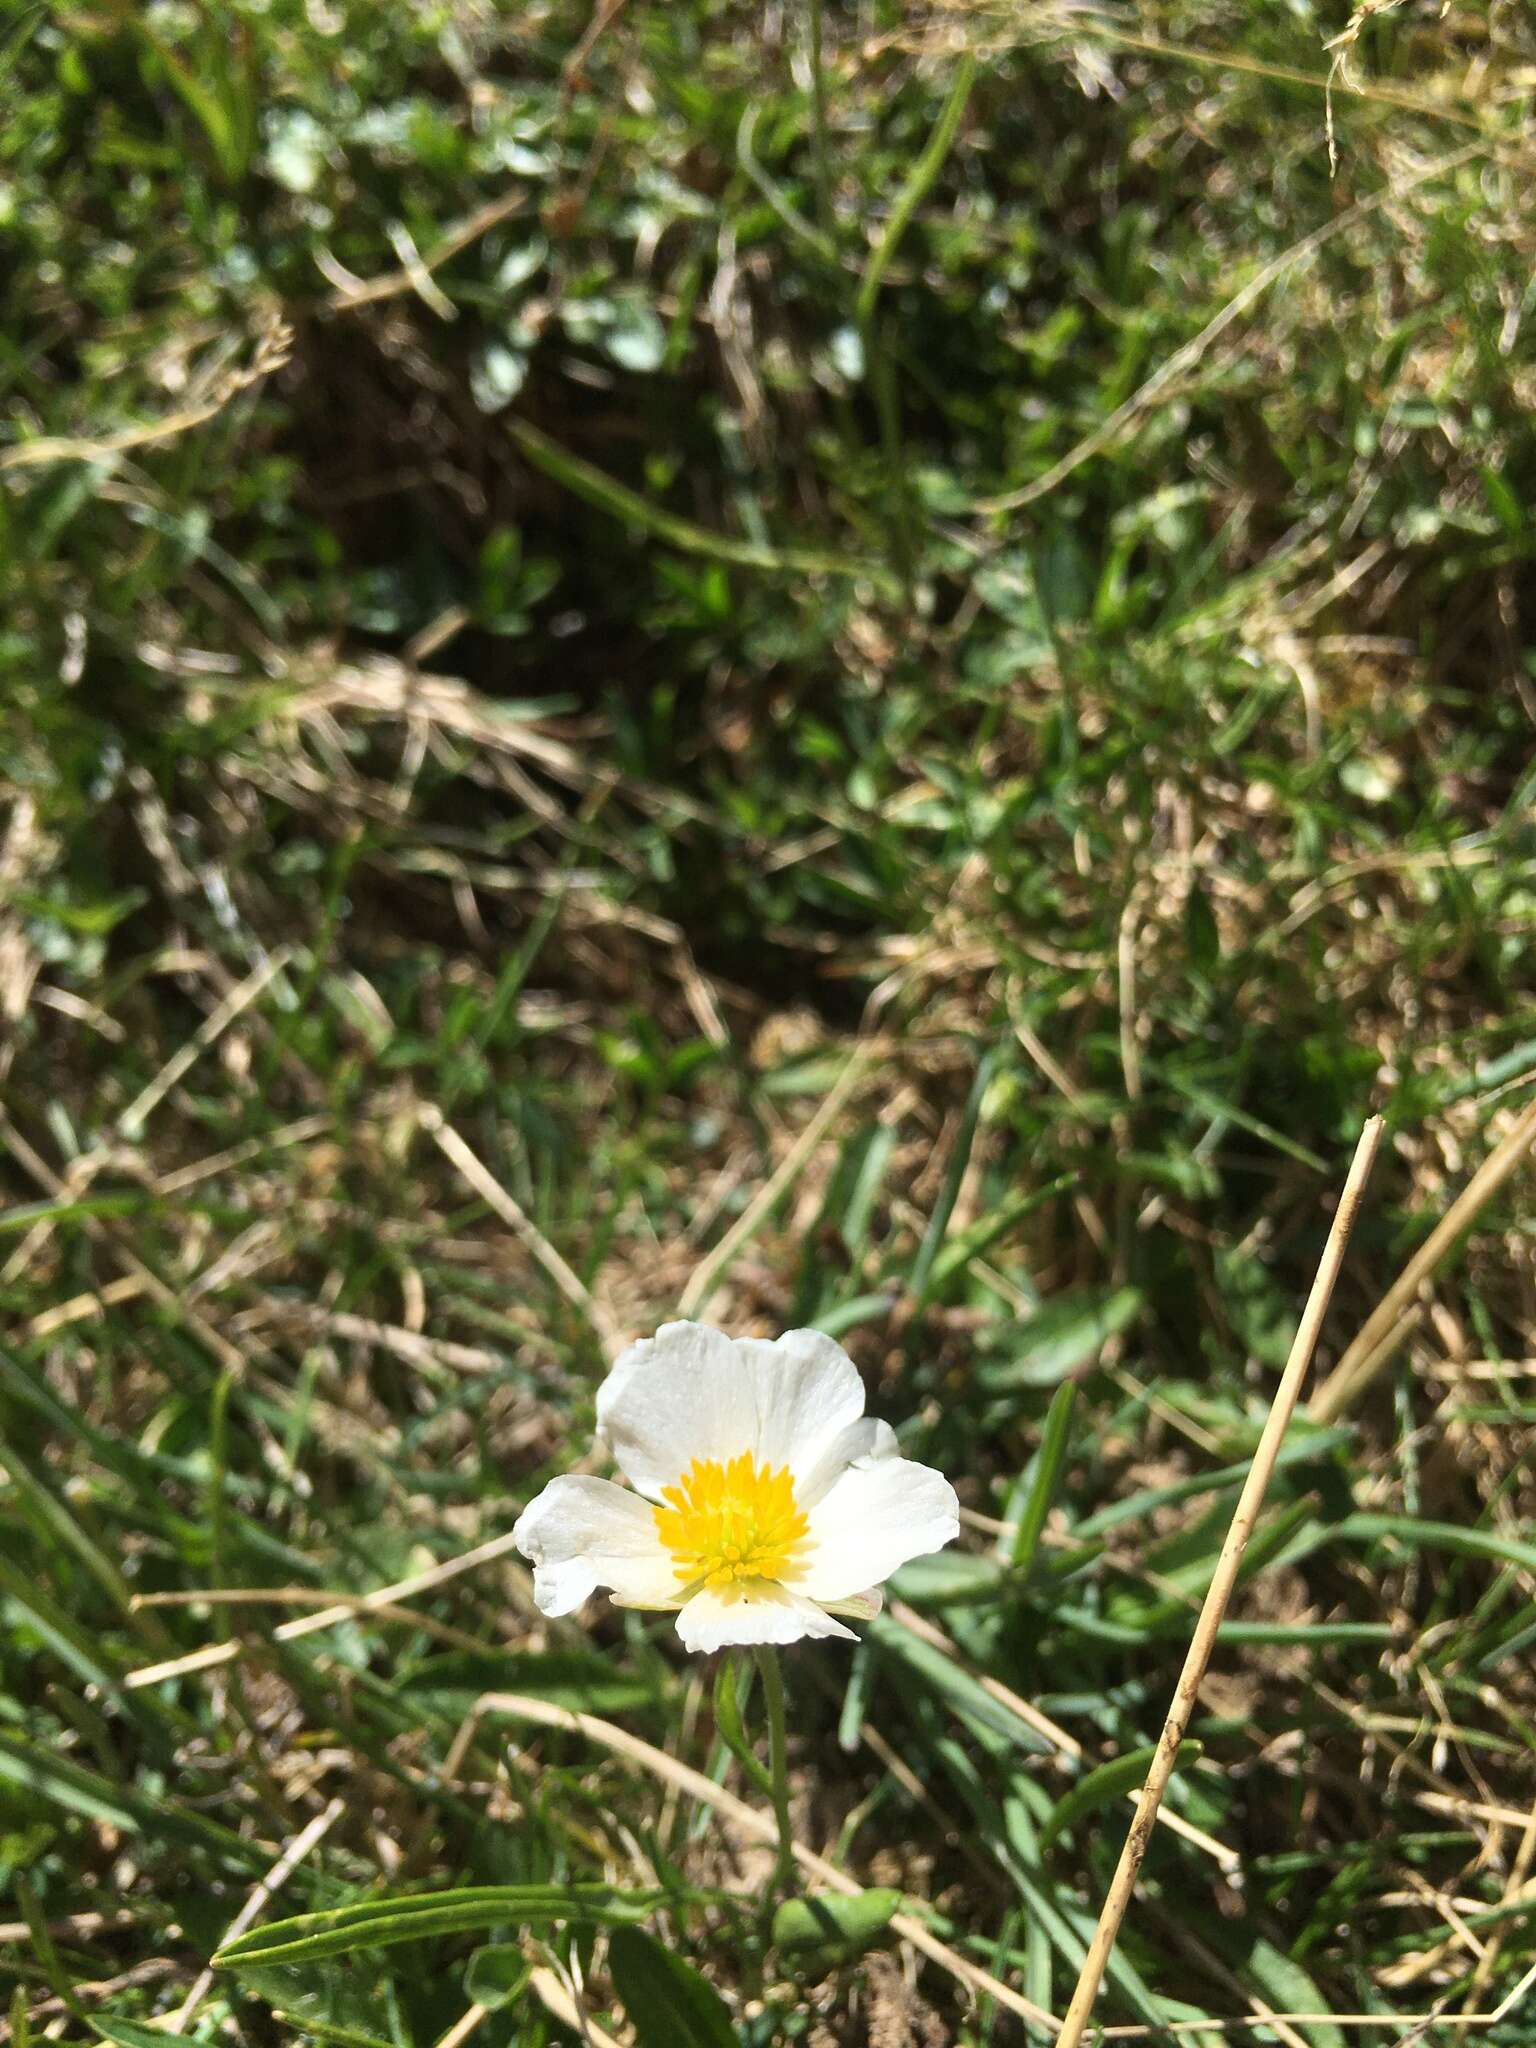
{"x": 765, "y": 1502}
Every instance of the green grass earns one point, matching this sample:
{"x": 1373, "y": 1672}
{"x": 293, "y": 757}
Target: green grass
{"x": 988, "y": 588}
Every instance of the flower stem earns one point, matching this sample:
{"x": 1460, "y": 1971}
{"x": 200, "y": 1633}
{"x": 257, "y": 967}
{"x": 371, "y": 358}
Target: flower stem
{"x": 773, "y": 1701}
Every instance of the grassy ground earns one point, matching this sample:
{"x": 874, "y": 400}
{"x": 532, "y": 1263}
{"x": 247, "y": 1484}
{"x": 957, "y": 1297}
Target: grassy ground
{"x": 885, "y": 684}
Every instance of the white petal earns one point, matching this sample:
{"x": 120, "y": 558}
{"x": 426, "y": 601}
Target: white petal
{"x": 859, "y": 1606}
{"x": 808, "y": 1394}
{"x": 756, "y": 1611}
{"x": 670, "y": 1399}
{"x": 690, "y": 1392}
{"x": 873, "y": 1519}
{"x": 584, "y": 1533}
{"x": 861, "y": 1441}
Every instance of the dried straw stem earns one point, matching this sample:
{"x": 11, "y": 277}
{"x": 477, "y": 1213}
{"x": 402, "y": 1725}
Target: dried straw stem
{"x": 1385, "y": 1329}
{"x": 1220, "y": 1592}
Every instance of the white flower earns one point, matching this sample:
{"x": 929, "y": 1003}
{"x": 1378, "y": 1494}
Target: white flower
{"x": 765, "y": 1501}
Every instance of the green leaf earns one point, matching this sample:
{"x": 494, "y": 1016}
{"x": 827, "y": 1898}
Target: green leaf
{"x": 1064, "y": 1335}
{"x": 1189, "y": 1567}
{"x": 848, "y": 1315}
{"x": 608, "y": 495}
{"x": 948, "y": 1579}
{"x": 982, "y": 1235}
{"x": 568, "y": 1678}
{"x": 497, "y": 1975}
{"x": 962, "y": 1694}
{"x": 1441, "y": 1536}
{"x": 669, "y": 2003}
{"x": 1308, "y": 1445}
{"x": 1313, "y": 1633}
{"x": 1214, "y": 1105}
{"x": 70, "y": 1643}
{"x": 832, "y": 1920}
{"x": 125, "y": 2033}
{"x": 379, "y": 1923}
{"x": 914, "y": 190}
{"x": 63, "y": 1782}
{"x": 325, "y": 2030}
{"x": 42, "y": 1943}
{"x": 1045, "y": 1476}
{"x": 1200, "y": 931}
{"x": 1286, "y": 1985}
{"x": 92, "y": 917}
{"x": 497, "y": 374}
{"x": 1103, "y": 1786}
{"x": 954, "y": 1174}
{"x": 221, "y": 129}
{"x": 1504, "y": 502}
{"x": 633, "y": 335}
{"x": 28, "y": 1215}
{"x": 729, "y": 1723}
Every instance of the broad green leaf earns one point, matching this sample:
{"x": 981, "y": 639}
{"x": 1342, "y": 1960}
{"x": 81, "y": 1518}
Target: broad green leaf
{"x": 668, "y": 2002}
{"x": 1065, "y": 1334}
{"x": 835, "y": 1920}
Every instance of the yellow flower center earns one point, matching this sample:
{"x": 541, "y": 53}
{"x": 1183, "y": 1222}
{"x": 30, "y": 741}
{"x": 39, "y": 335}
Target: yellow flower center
{"x": 727, "y": 1522}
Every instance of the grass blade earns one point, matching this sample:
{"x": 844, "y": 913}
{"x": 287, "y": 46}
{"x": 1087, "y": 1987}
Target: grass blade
{"x": 1044, "y": 1477}
{"x": 380, "y": 1923}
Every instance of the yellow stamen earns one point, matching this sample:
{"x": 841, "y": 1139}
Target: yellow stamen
{"x": 725, "y": 1522}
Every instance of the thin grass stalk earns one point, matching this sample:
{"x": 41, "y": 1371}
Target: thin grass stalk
{"x": 1244, "y": 1517}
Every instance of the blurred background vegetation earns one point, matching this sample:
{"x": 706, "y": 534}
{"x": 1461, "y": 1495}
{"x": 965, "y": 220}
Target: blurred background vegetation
{"x": 860, "y": 664}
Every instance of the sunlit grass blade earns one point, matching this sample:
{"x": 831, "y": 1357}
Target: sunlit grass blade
{"x": 1105, "y": 1787}
{"x": 471, "y": 1909}
{"x": 1038, "y": 1490}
